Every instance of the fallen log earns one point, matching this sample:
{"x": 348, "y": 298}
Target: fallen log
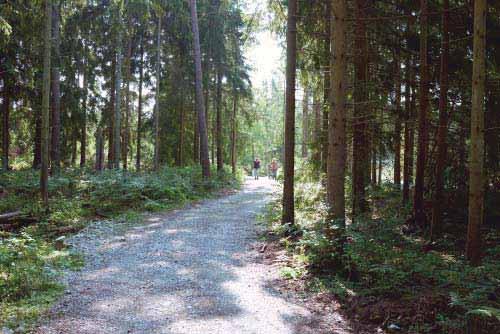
{"x": 5, "y": 217}
{"x": 12, "y": 221}
{"x": 483, "y": 321}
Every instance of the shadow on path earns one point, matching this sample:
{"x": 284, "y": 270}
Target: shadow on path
{"x": 191, "y": 271}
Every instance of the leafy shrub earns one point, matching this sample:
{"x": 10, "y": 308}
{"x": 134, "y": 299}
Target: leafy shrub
{"x": 28, "y": 268}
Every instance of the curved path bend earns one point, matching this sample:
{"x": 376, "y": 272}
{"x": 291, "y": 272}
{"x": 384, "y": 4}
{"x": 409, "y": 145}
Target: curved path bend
{"x": 192, "y": 271}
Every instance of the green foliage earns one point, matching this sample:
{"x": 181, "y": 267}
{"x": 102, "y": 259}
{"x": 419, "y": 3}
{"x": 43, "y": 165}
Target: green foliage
{"x": 375, "y": 264}
{"x": 76, "y": 195}
{"x": 28, "y": 269}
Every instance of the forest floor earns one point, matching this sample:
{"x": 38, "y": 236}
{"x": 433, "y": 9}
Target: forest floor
{"x": 201, "y": 269}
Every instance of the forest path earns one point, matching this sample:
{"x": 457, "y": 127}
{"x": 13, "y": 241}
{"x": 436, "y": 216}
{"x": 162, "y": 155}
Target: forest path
{"x": 192, "y": 271}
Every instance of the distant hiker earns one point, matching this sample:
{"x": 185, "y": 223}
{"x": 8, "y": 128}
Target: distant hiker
{"x": 256, "y": 167}
{"x": 274, "y": 169}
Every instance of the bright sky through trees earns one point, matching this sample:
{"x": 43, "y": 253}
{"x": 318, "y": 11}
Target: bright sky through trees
{"x": 265, "y": 54}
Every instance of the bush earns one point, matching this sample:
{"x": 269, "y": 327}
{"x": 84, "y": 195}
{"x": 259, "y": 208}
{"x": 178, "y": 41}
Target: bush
{"x": 28, "y": 269}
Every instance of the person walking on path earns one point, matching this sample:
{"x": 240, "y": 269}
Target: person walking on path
{"x": 274, "y": 169}
{"x": 256, "y": 168}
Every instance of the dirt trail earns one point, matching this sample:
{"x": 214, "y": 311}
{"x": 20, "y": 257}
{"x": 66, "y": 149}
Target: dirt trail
{"x": 194, "y": 271}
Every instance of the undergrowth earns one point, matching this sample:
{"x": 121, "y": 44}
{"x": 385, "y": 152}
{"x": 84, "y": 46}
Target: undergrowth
{"x": 383, "y": 275}
{"x": 30, "y": 262}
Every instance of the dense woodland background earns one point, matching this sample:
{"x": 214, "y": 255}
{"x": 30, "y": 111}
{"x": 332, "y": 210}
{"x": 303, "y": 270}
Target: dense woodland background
{"x": 385, "y": 119}
{"x": 397, "y": 189}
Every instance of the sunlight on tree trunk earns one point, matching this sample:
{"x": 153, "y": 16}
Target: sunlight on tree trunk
{"x": 337, "y": 127}
{"x": 200, "y": 104}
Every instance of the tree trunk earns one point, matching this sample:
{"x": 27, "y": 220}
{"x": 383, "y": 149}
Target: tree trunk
{"x": 220, "y": 163}
{"x": 44, "y": 173}
{"x": 99, "y": 149}
{"x": 413, "y": 111}
{"x": 56, "y": 91}
{"x": 408, "y": 125}
{"x": 156, "y": 160}
{"x": 111, "y": 120}
{"x": 196, "y": 140}
{"x": 397, "y": 127}
{"x": 380, "y": 169}
{"x": 83, "y": 138}
{"x": 213, "y": 129}
{"x": 288, "y": 216}
{"x": 408, "y": 120}
{"x": 74, "y": 144}
{"x": 139, "y": 109}
{"x": 118, "y": 90}
{"x": 326, "y": 89}
{"x": 233, "y": 133}
{"x": 305, "y": 123}
{"x": 126, "y": 130}
{"x": 418, "y": 202}
{"x": 182, "y": 121}
{"x": 5, "y": 124}
{"x": 476, "y": 160}
{"x": 438, "y": 200}
{"x": 200, "y": 104}
{"x": 374, "y": 165}
{"x": 337, "y": 127}
{"x": 37, "y": 144}
{"x": 317, "y": 126}
{"x": 207, "y": 115}
{"x": 360, "y": 142}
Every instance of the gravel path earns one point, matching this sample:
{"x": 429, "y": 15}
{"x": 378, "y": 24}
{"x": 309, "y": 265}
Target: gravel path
{"x": 194, "y": 271}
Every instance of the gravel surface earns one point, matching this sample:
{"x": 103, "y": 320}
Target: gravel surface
{"x": 193, "y": 271}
